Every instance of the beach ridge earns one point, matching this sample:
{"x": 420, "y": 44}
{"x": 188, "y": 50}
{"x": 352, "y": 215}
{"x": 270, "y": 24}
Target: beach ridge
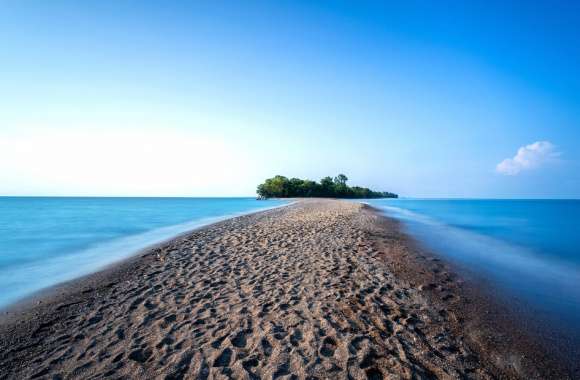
{"x": 316, "y": 289}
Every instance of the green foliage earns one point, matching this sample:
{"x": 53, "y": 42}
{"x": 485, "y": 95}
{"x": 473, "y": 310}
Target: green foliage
{"x": 282, "y": 187}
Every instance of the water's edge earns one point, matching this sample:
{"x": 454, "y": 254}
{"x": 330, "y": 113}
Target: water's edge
{"x": 556, "y": 332}
{"x": 120, "y": 262}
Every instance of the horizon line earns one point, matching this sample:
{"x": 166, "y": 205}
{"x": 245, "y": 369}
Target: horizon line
{"x": 255, "y": 196}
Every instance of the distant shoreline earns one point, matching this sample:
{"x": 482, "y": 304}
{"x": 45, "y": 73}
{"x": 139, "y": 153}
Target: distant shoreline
{"x": 260, "y": 268}
{"x": 282, "y": 187}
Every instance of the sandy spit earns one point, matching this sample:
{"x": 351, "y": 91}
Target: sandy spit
{"x": 319, "y": 289}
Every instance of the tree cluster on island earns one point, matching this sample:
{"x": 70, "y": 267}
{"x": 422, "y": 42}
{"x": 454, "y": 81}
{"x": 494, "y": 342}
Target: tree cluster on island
{"x": 282, "y": 187}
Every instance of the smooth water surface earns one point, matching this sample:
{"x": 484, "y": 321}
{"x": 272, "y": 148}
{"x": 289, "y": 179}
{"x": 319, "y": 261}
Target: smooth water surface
{"x": 529, "y": 250}
{"x": 47, "y": 240}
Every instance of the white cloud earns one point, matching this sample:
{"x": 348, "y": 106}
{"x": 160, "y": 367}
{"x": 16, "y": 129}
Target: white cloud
{"x": 528, "y": 157}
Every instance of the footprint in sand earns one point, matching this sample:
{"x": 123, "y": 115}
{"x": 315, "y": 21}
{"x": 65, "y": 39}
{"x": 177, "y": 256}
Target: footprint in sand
{"x": 239, "y": 340}
{"x": 224, "y": 359}
{"x": 267, "y": 347}
{"x": 328, "y": 347}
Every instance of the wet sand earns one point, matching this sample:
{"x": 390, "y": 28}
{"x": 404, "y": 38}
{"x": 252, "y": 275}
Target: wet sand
{"x": 318, "y": 289}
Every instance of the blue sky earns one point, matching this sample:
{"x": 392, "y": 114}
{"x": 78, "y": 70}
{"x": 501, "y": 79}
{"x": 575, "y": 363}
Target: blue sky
{"x": 208, "y": 98}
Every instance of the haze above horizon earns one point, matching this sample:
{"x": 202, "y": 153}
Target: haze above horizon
{"x": 441, "y": 100}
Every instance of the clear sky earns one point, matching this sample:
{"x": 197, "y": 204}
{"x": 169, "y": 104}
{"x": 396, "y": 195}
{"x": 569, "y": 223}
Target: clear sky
{"x": 423, "y": 98}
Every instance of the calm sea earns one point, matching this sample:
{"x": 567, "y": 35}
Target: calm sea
{"x": 527, "y": 251}
{"x": 46, "y": 240}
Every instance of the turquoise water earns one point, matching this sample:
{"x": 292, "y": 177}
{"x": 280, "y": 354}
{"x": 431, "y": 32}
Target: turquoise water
{"x": 526, "y": 250}
{"x": 47, "y": 240}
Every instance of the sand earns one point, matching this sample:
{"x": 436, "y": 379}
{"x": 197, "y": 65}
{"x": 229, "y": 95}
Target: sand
{"x": 318, "y": 289}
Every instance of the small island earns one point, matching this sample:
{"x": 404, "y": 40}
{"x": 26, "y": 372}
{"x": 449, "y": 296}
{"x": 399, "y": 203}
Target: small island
{"x": 282, "y": 187}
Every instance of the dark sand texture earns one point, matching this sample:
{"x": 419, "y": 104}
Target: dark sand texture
{"x": 319, "y": 289}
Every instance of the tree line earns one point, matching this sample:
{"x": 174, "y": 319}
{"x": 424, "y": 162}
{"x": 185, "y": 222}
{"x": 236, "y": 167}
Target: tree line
{"x": 282, "y": 187}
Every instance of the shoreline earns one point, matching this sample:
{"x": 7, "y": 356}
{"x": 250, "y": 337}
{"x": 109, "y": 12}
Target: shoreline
{"x": 536, "y": 327}
{"x": 125, "y": 259}
{"x": 423, "y": 310}
{"x": 476, "y": 304}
